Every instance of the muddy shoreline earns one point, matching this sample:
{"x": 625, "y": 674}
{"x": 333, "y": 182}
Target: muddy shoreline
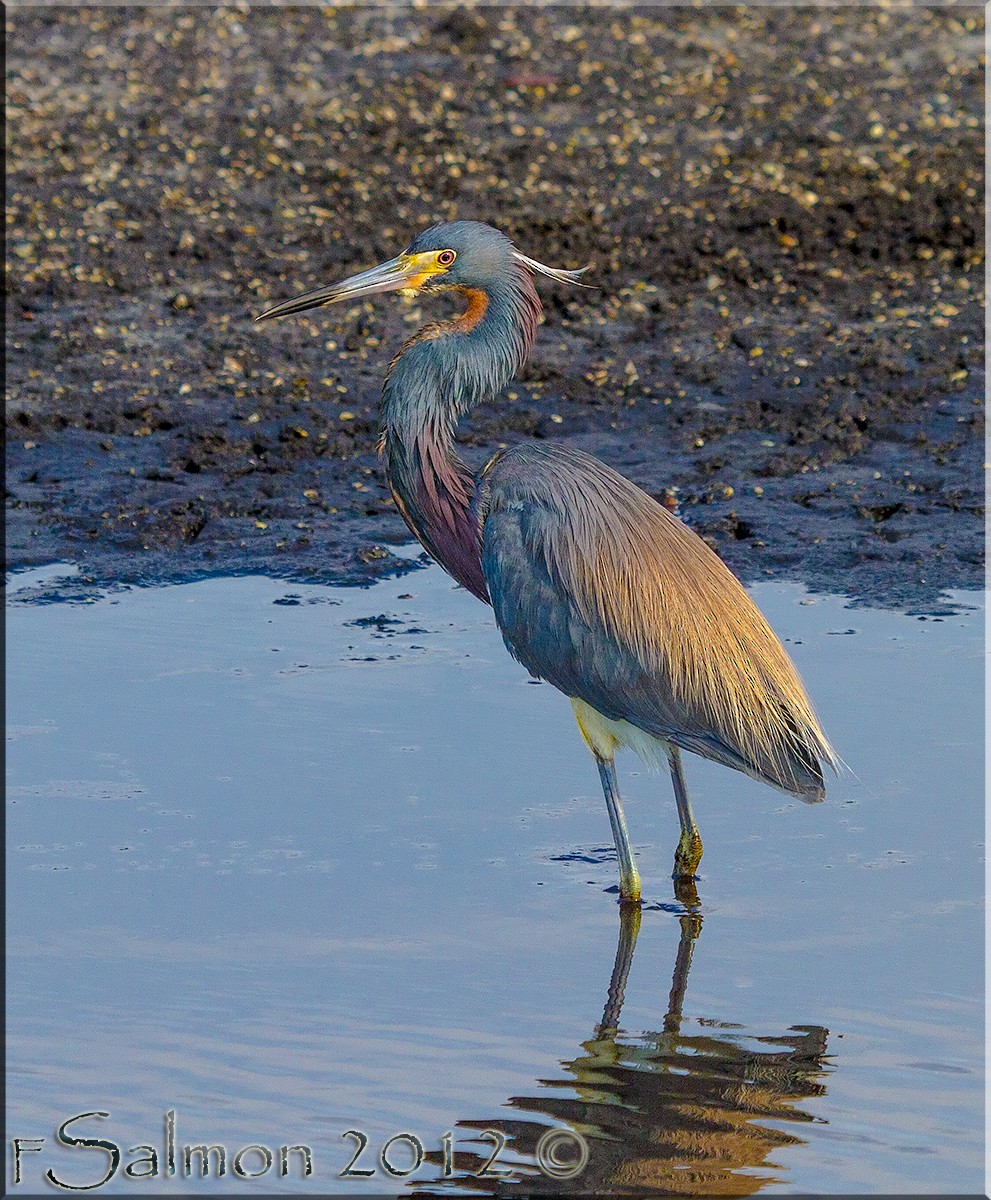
{"x": 783, "y": 209}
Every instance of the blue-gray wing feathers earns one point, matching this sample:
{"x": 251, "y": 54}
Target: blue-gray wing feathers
{"x": 600, "y": 591}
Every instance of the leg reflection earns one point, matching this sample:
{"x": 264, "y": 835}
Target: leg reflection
{"x": 695, "y": 1108}
{"x": 691, "y": 927}
{"x": 629, "y": 927}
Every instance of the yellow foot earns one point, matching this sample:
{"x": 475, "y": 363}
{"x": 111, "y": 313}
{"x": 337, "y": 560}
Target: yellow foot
{"x": 629, "y": 890}
{"x": 688, "y": 855}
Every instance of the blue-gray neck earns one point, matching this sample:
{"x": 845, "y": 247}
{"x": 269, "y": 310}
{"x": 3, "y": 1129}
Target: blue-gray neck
{"x": 440, "y": 374}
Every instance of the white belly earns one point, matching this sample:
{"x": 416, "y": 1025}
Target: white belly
{"x": 605, "y": 736}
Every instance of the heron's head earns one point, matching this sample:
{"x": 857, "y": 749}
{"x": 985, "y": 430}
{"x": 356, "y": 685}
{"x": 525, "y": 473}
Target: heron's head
{"x": 458, "y": 254}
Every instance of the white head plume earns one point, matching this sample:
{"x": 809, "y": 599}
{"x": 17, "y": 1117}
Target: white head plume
{"x": 558, "y": 273}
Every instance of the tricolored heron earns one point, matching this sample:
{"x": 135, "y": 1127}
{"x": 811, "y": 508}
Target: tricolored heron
{"x": 596, "y": 587}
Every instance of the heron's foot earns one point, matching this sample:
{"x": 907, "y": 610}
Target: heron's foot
{"x": 688, "y": 855}
{"x": 629, "y": 889}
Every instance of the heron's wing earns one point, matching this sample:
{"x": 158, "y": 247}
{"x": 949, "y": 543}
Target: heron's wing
{"x": 602, "y": 592}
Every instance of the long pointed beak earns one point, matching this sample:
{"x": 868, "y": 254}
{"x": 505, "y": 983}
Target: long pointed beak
{"x": 392, "y": 276}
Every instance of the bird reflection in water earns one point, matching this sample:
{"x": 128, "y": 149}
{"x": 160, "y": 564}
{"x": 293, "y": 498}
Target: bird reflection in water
{"x": 666, "y": 1113}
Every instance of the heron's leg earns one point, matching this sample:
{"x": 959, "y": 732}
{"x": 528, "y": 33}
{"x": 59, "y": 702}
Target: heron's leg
{"x": 601, "y": 740}
{"x": 629, "y": 879}
{"x": 689, "y": 853}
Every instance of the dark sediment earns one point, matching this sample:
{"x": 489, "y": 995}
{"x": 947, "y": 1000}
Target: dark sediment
{"x": 783, "y": 208}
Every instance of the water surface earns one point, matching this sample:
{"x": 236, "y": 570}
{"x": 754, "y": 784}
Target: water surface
{"x": 290, "y": 861}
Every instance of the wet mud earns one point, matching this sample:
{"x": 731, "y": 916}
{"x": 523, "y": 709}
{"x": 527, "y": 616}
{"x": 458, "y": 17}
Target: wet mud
{"x": 783, "y": 209}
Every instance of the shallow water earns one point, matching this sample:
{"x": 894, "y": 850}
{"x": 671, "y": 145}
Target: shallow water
{"x": 290, "y": 861}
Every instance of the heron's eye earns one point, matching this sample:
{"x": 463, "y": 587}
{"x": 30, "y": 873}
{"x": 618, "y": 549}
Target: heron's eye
{"x": 446, "y": 257}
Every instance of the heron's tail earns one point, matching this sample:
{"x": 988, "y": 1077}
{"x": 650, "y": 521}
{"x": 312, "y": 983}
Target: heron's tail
{"x": 795, "y": 764}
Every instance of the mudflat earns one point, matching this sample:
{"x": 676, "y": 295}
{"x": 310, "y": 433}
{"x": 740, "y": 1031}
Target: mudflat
{"x": 783, "y": 209}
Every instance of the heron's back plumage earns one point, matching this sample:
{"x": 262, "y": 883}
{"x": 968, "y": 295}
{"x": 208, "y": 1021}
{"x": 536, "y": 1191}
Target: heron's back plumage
{"x": 603, "y": 593}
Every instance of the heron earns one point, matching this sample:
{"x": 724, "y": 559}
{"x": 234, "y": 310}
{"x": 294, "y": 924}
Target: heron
{"x": 596, "y": 587}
